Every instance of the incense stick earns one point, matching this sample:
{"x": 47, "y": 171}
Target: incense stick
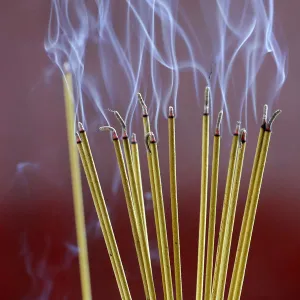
{"x": 139, "y": 219}
{"x": 133, "y": 217}
{"x": 227, "y": 197}
{"x": 138, "y": 178}
{"x": 161, "y": 216}
{"x": 103, "y": 213}
{"x": 138, "y": 210}
{"x": 174, "y": 204}
{"x": 122, "y": 285}
{"x": 245, "y": 217}
{"x": 219, "y": 292}
{"x": 76, "y": 187}
{"x": 253, "y": 208}
{"x": 213, "y": 208}
{"x": 203, "y": 197}
{"x": 146, "y": 126}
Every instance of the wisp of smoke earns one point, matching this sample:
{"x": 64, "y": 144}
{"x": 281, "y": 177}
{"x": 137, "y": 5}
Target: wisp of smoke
{"x": 116, "y": 49}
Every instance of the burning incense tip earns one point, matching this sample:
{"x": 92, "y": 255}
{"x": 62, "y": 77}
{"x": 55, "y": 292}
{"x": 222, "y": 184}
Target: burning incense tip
{"x": 78, "y": 139}
{"x": 119, "y": 118}
{"x": 133, "y": 139}
{"x": 265, "y": 115}
{"x": 237, "y": 128}
{"x": 218, "y": 125}
{"x": 272, "y": 119}
{"x": 80, "y": 127}
{"x": 206, "y": 100}
{"x": 143, "y": 104}
{"x": 243, "y": 136}
{"x": 147, "y": 140}
{"x": 152, "y": 138}
{"x": 171, "y": 112}
{"x": 66, "y": 67}
{"x": 111, "y": 129}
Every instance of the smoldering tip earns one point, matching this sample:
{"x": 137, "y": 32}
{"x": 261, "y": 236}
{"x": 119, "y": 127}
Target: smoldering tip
{"x": 80, "y": 127}
{"x": 206, "y": 99}
{"x": 218, "y": 124}
{"x": 111, "y": 129}
{"x": 272, "y": 119}
{"x": 237, "y": 128}
{"x": 66, "y": 67}
{"x": 78, "y": 139}
{"x": 171, "y": 112}
{"x": 147, "y": 141}
{"x": 243, "y": 135}
{"x": 119, "y": 118}
{"x": 142, "y": 103}
{"x": 133, "y": 139}
{"x": 265, "y": 114}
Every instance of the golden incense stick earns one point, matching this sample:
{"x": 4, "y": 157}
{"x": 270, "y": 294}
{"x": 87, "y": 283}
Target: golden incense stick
{"x": 139, "y": 218}
{"x": 213, "y": 209}
{"x": 203, "y": 197}
{"x": 228, "y": 190}
{"x": 253, "y": 207}
{"x": 103, "y": 213}
{"x": 76, "y": 187}
{"x": 146, "y": 125}
{"x": 122, "y": 285}
{"x": 138, "y": 210}
{"x": 243, "y": 227}
{"x": 220, "y": 289}
{"x": 159, "y": 203}
{"x": 132, "y": 212}
{"x": 133, "y": 180}
{"x": 138, "y": 178}
{"x": 174, "y": 204}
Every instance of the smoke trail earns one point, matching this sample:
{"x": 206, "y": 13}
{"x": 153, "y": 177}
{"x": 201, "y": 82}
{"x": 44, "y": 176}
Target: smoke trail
{"x": 117, "y": 49}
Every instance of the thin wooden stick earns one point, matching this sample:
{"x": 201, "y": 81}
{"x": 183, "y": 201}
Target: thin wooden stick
{"x": 76, "y": 187}
{"x": 235, "y": 272}
{"x": 138, "y": 210}
{"x": 219, "y": 292}
{"x": 122, "y": 285}
{"x": 139, "y": 184}
{"x": 132, "y": 212}
{"x": 146, "y": 125}
{"x": 139, "y": 218}
{"x": 161, "y": 217}
{"x": 253, "y": 208}
{"x": 174, "y": 204}
{"x": 227, "y": 197}
{"x": 203, "y": 197}
{"x": 133, "y": 180}
{"x": 213, "y": 209}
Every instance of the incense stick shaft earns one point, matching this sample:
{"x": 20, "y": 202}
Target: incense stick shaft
{"x": 139, "y": 184}
{"x": 251, "y": 215}
{"x": 225, "y": 251}
{"x": 104, "y": 216}
{"x": 235, "y": 272}
{"x": 77, "y": 191}
{"x": 139, "y": 220}
{"x": 212, "y": 216}
{"x": 103, "y": 227}
{"x": 162, "y": 222}
{"x": 146, "y": 125}
{"x": 203, "y": 206}
{"x": 131, "y": 206}
{"x": 227, "y": 199}
{"x": 174, "y": 208}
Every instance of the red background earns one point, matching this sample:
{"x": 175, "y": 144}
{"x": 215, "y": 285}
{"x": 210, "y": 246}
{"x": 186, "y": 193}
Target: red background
{"x": 36, "y": 212}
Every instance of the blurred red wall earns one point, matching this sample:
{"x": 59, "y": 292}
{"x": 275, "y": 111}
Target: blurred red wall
{"x": 36, "y": 212}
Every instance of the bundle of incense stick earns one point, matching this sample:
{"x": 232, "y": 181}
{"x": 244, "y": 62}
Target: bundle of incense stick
{"x": 211, "y": 275}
